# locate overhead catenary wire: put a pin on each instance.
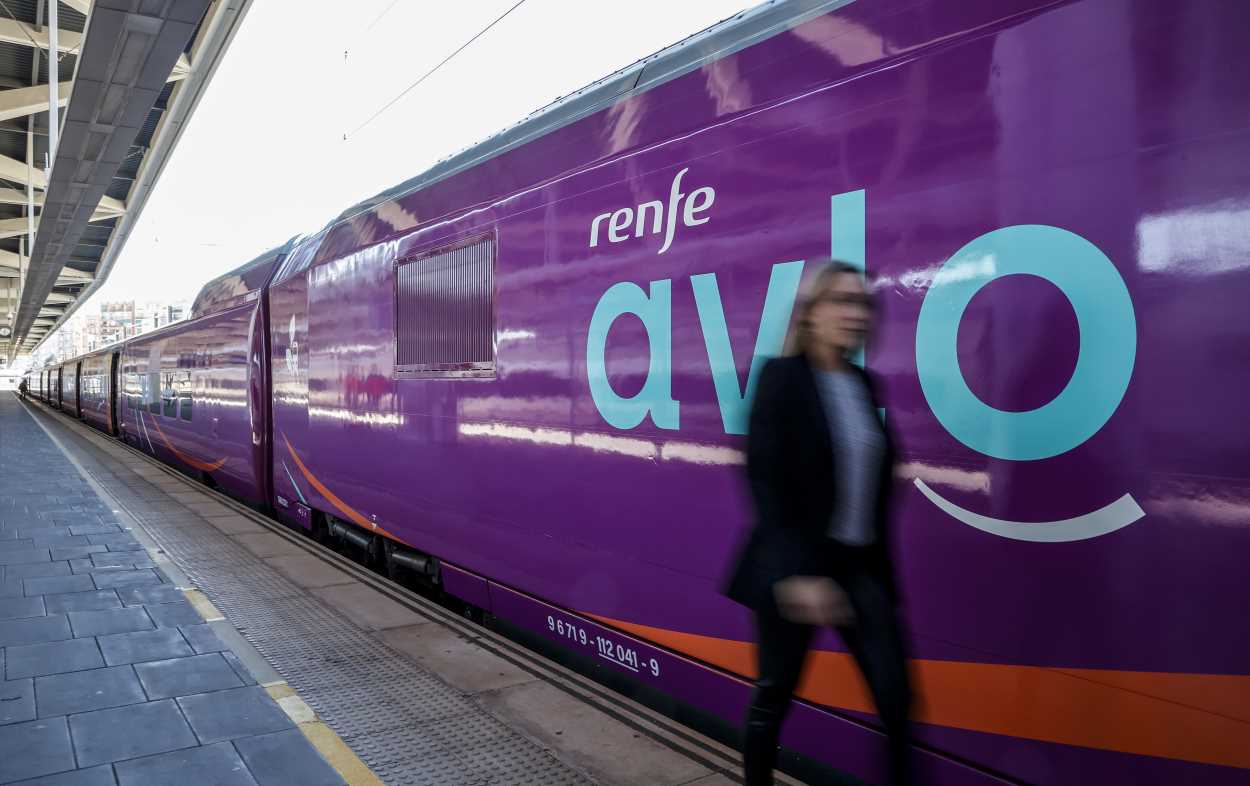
(432, 71)
(378, 18)
(370, 27)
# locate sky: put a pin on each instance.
(276, 146)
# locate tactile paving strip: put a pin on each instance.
(405, 723)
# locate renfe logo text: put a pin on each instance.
(619, 222)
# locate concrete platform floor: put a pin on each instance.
(399, 690)
(110, 675)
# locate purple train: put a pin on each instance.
(524, 374)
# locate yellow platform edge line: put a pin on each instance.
(331, 747)
(203, 605)
(342, 758)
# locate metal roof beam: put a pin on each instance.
(19, 126)
(8, 273)
(11, 196)
(16, 227)
(109, 205)
(17, 172)
(9, 261)
(22, 34)
(23, 101)
(69, 276)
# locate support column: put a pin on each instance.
(53, 85)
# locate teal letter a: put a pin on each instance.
(656, 396)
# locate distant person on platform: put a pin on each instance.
(819, 462)
(21, 388)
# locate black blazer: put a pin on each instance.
(790, 467)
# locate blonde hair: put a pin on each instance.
(822, 272)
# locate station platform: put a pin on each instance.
(153, 631)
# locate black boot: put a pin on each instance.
(900, 760)
(759, 746)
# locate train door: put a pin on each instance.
(114, 391)
(59, 379)
(78, 389)
(260, 381)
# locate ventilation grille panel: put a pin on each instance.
(445, 312)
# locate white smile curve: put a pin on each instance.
(1114, 516)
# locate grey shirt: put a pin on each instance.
(858, 450)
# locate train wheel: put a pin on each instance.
(390, 567)
(376, 557)
(320, 533)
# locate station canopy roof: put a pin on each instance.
(130, 74)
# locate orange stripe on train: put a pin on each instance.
(1194, 717)
(351, 513)
(200, 465)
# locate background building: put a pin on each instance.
(114, 321)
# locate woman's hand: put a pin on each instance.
(813, 600)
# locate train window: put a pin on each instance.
(445, 312)
(184, 384)
(138, 386)
(152, 391)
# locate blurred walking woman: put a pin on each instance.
(819, 462)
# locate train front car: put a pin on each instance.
(195, 394)
(534, 364)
